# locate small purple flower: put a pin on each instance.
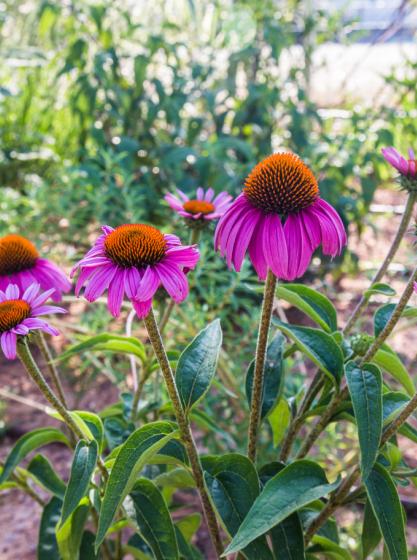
(201, 208)
(21, 264)
(19, 315)
(135, 259)
(280, 220)
(406, 167)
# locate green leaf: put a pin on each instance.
(279, 419)
(189, 525)
(234, 485)
(154, 520)
(82, 468)
(87, 546)
(95, 424)
(365, 388)
(314, 304)
(43, 473)
(379, 288)
(319, 346)
(47, 543)
(186, 549)
(130, 460)
(273, 375)
(292, 488)
(197, 365)
(27, 443)
(70, 533)
(176, 478)
(287, 539)
(329, 548)
(383, 315)
(109, 342)
(391, 363)
(371, 533)
(387, 508)
(392, 404)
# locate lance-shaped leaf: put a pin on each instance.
(390, 362)
(108, 342)
(383, 315)
(154, 520)
(314, 304)
(82, 468)
(371, 533)
(234, 486)
(197, 365)
(69, 535)
(139, 448)
(27, 443)
(387, 508)
(365, 388)
(273, 375)
(292, 488)
(47, 543)
(319, 346)
(41, 470)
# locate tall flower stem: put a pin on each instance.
(341, 395)
(26, 357)
(184, 427)
(405, 220)
(53, 370)
(258, 376)
(298, 420)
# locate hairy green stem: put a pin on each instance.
(298, 421)
(184, 427)
(396, 315)
(341, 395)
(258, 375)
(405, 220)
(50, 363)
(25, 356)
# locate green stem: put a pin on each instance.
(396, 315)
(184, 427)
(298, 421)
(405, 220)
(258, 376)
(35, 373)
(341, 395)
(53, 370)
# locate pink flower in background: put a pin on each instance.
(407, 167)
(280, 220)
(19, 314)
(20, 264)
(204, 207)
(135, 259)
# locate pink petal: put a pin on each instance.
(8, 341)
(275, 246)
(149, 284)
(299, 249)
(173, 279)
(46, 310)
(132, 282)
(142, 308)
(12, 291)
(116, 292)
(184, 256)
(209, 195)
(100, 281)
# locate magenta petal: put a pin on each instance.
(8, 341)
(132, 282)
(173, 279)
(82, 279)
(149, 284)
(200, 193)
(31, 292)
(116, 292)
(256, 251)
(187, 256)
(46, 310)
(299, 250)
(275, 246)
(100, 280)
(208, 197)
(227, 221)
(333, 232)
(244, 236)
(142, 308)
(12, 291)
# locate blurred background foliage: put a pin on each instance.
(105, 106)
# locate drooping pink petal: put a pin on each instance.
(256, 251)
(187, 256)
(100, 281)
(277, 254)
(116, 292)
(333, 233)
(8, 341)
(132, 282)
(149, 284)
(299, 249)
(173, 201)
(240, 245)
(142, 308)
(173, 279)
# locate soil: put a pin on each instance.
(20, 515)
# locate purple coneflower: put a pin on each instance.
(406, 167)
(204, 207)
(135, 259)
(280, 219)
(21, 264)
(19, 314)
